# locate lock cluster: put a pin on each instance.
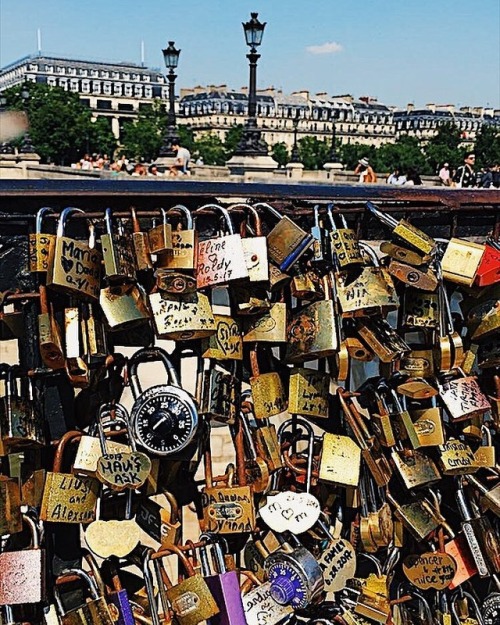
(355, 386)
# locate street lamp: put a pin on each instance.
(26, 145)
(5, 147)
(294, 157)
(171, 57)
(251, 143)
(334, 157)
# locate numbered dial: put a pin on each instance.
(491, 610)
(295, 578)
(164, 419)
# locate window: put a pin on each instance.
(85, 101)
(51, 81)
(60, 70)
(74, 85)
(94, 73)
(86, 86)
(96, 86)
(83, 72)
(128, 90)
(107, 88)
(49, 69)
(138, 91)
(148, 92)
(145, 106)
(104, 104)
(125, 107)
(117, 88)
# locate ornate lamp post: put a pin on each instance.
(26, 145)
(251, 143)
(5, 147)
(171, 57)
(294, 157)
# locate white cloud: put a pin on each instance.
(330, 47)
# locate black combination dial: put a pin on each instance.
(491, 610)
(164, 419)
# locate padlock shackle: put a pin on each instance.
(34, 529)
(223, 211)
(370, 252)
(174, 550)
(150, 354)
(269, 208)
(294, 422)
(39, 218)
(107, 410)
(64, 216)
(250, 581)
(96, 571)
(180, 208)
(71, 436)
(108, 219)
(384, 218)
(135, 221)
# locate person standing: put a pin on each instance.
(181, 163)
(396, 177)
(465, 176)
(365, 171)
(444, 175)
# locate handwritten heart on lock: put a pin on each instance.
(292, 512)
(123, 470)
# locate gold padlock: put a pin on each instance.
(268, 391)
(40, 244)
(160, 236)
(461, 261)
(308, 393)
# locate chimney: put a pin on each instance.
(431, 107)
(410, 107)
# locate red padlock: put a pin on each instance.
(488, 271)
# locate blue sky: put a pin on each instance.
(441, 51)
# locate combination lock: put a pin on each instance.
(164, 417)
(296, 578)
(491, 609)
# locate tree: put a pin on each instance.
(487, 146)
(313, 153)
(280, 154)
(232, 140)
(101, 137)
(211, 149)
(59, 124)
(443, 147)
(142, 138)
(351, 153)
(406, 154)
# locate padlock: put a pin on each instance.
(267, 445)
(309, 392)
(191, 599)
(371, 291)
(22, 573)
(402, 423)
(227, 509)
(405, 231)
(160, 236)
(449, 350)
(417, 515)
(321, 247)
(163, 525)
(461, 260)
(40, 244)
(164, 418)
(182, 256)
(76, 367)
(66, 497)
(49, 335)
(420, 309)
(120, 470)
(382, 339)
(258, 603)
(456, 458)
(462, 397)
(119, 262)
(286, 242)
(94, 337)
(12, 325)
(221, 259)
(296, 577)
(490, 498)
(227, 341)
(403, 254)
(94, 610)
(257, 469)
(340, 462)
(223, 584)
(312, 332)
(118, 597)
(428, 425)
(414, 468)
(10, 506)
(482, 314)
(423, 278)
(254, 246)
(269, 327)
(466, 619)
(268, 391)
(485, 454)
(182, 317)
(21, 423)
(343, 241)
(418, 363)
(74, 266)
(124, 306)
(140, 242)
(306, 284)
(488, 271)
(218, 391)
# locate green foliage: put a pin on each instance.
(313, 153)
(351, 153)
(406, 154)
(59, 123)
(141, 138)
(101, 137)
(211, 149)
(233, 138)
(280, 154)
(186, 137)
(487, 146)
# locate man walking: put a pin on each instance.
(464, 176)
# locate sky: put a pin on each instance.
(399, 51)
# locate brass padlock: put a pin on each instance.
(340, 461)
(124, 306)
(306, 285)
(93, 333)
(221, 260)
(140, 242)
(160, 236)
(226, 343)
(94, 610)
(66, 497)
(12, 325)
(10, 506)
(268, 391)
(456, 458)
(286, 242)
(449, 349)
(40, 244)
(423, 278)
(255, 246)
(382, 338)
(461, 260)
(417, 515)
(269, 327)
(462, 397)
(74, 266)
(182, 255)
(420, 309)
(406, 231)
(119, 261)
(309, 392)
(76, 367)
(429, 426)
(312, 332)
(414, 468)
(49, 335)
(182, 317)
(344, 242)
(218, 391)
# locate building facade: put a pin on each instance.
(118, 91)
